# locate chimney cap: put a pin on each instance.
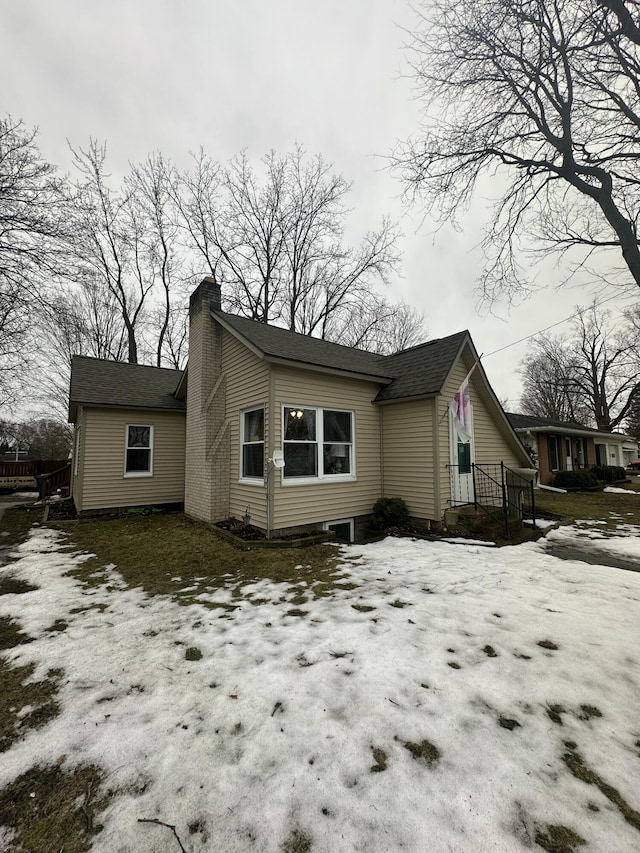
(207, 291)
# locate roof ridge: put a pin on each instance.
(127, 363)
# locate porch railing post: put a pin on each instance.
(505, 507)
(475, 500)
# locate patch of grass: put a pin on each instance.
(14, 586)
(579, 769)
(10, 634)
(490, 652)
(554, 713)
(18, 693)
(380, 758)
(151, 550)
(424, 751)
(508, 723)
(596, 506)
(192, 653)
(589, 711)
(363, 608)
(50, 810)
(297, 842)
(17, 522)
(548, 644)
(58, 625)
(558, 839)
(454, 665)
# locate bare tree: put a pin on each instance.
(595, 370)
(548, 382)
(542, 97)
(378, 326)
(277, 240)
(151, 184)
(85, 320)
(31, 251)
(110, 239)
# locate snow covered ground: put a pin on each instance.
(417, 711)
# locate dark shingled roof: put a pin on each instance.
(415, 372)
(99, 382)
(422, 370)
(533, 423)
(281, 343)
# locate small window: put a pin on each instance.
(343, 529)
(464, 456)
(253, 444)
(138, 460)
(552, 444)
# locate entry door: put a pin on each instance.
(569, 458)
(462, 458)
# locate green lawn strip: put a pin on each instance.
(16, 522)
(151, 550)
(49, 809)
(596, 506)
(580, 770)
(19, 691)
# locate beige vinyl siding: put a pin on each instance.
(247, 387)
(408, 454)
(493, 442)
(103, 441)
(312, 503)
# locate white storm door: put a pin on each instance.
(462, 458)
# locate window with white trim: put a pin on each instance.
(252, 441)
(139, 450)
(317, 443)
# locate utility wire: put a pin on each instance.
(553, 325)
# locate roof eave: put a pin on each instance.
(587, 433)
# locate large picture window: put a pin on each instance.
(318, 443)
(253, 444)
(139, 450)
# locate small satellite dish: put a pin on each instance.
(278, 459)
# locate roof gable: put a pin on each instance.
(422, 370)
(98, 382)
(419, 371)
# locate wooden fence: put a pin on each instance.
(30, 468)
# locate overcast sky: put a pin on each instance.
(172, 76)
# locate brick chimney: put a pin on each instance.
(207, 445)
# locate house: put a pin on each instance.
(294, 431)
(569, 446)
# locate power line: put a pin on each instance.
(553, 325)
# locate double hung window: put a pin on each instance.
(252, 429)
(139, 450)
(318, 443)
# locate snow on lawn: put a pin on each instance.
(436, 654)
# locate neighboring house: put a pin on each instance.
(569, 446)
(349, 427)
